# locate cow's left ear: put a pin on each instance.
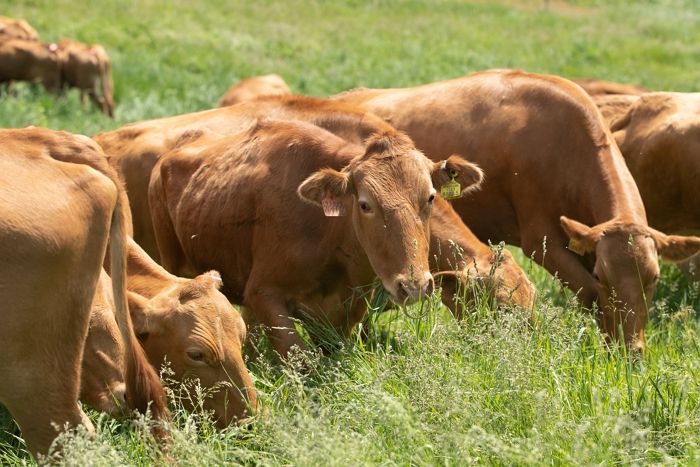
(454, 171)
(675, 248)
(328, 189)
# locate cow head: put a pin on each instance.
(101, 380)
(388, 193)
(194, 327)
(626, 270)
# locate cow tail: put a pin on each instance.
(143, 385)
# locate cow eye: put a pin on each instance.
(364, 207)
(595, 276)
(196, 355)
(431, 198)
(142, 336)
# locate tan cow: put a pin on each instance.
(187, 322)
(22, 60)
(363, 213)
(597, 87)
(60, 205)
(554, 173)
(253, 88)
(88, 68)
(11, 28)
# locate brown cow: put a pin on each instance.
(659, 136)
(234, 206)
(597, 87)
(253, 88)
(88, 68)
(22, 60)
(61, 203)
(187, 322)
(11, 28)
(549, 159)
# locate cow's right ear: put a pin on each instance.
(141, 316)
(326, 188)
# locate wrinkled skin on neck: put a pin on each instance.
(195, 329)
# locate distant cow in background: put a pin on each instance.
(22, 60)
(88, 68)
(252, 88)
(11, 28)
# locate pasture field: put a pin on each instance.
(417, 388)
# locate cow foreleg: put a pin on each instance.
(270, 310)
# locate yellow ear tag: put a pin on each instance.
(451, 189)
(576, 246)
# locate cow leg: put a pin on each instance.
(565, 264)
(83, 101)
(270, 310)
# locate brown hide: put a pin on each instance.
(598, 87)
(234, 206)
(88, 68)
(547, 154)
(61, 205)
(22, 60)
(11, 28)
(253, 88)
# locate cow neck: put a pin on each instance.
(610, 191)
(352, 257)
(144, 276)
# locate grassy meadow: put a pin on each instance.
(417, 388)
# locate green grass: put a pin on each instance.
(418, 389)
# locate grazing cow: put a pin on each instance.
(187, 322)
(59, 206)
(597, 87)
(11, 28)
(363, 212)
(88, 68)
(554, 173)
(254, 88)
(135, 149)
(22, 60)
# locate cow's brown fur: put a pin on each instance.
(11, 28)
(253, 88)
(234, 206)
(547, 155)
(598, 87)
(88, 68)
(22, 60)
(43, 334)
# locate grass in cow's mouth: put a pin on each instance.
(412, 388)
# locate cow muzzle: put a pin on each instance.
(410, 290)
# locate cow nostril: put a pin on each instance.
(401, 291)
(429, 287)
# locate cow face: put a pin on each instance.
(101, 380)
(198, 332)
(626, 271)
(388, 194)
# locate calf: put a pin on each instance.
(88, 68)
(11, 28)
(235, 206)
(22, 60)
(61, 203)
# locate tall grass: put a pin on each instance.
(412, 387)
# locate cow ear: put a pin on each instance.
(675, 248)
(141, 317)
(582, 239)
(199, 286)
(326, 188)
(455, 177)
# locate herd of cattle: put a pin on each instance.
(292, 206)
(68, 63)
